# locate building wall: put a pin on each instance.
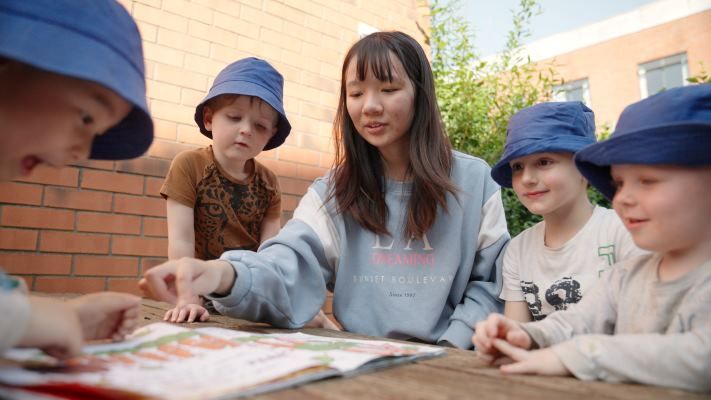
(611, 66)
(99, 224)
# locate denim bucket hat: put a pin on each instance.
(250, 77)
(566, 126)
(93, 40)
(670, 128)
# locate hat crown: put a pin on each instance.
(678, 106)
(105, 22)
(253, 70)
(552, 120)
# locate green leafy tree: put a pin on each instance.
(477, 97)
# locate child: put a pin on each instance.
(649, 319)
(552, 264)
(403, 230)
(220, 198)
(72, 83)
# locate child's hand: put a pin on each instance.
(498, 327)
(187, 313)
(322, 321)
(178, 281)
(539, 362)
(53, 327)
(107, 315)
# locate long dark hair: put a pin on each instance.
(359, 182)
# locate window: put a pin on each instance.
(578, 90)
(666, 73)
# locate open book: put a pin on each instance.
(167, 361)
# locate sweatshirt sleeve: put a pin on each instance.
(680, 360)
(482, 294)
(15, 309)
(284, 282)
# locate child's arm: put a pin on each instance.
(270, 227)
(181, 230)
(518, 311)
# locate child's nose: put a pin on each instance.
(527, 175)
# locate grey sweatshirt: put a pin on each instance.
(633, 327)
(433, 290)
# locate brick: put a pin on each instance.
(153, 186)
(172, 111)
(225, 54)
(212, 33)
(321, 83)
(191, 135)
(125, 286)
(18, 239)
(293, 186)
(168, 150)
(148, 263)
(163, 54)
(254, 14)
(105, 266)
(304, 124)
(183, 42)
(259, 48)
(280, 168)
(162, 91)
(66, 176)
(36, 217)
(70, 242)
(303, 156)
(20, 193)
(68, 285)
(148, 31)
(108, 223)
(181, 77)
(289, 202)
(239, 26)
(77, 199)
(112, 182)
(144, 166)
(95, 164)
(190, 97)
(309, 173)
(294, 14)
(279, 39)
(314, 142)
(33, 263)
(139, 205)
(160, 18)
(155, 227)
(189, 10)
(307, 7)
(139, 246)
(327, 160)
(164, 129)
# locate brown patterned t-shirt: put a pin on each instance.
(228, 213)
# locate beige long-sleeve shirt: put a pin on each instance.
(15, 311)
(633, 327)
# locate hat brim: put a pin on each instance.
(247, 88)
(58, 47)
(683, 144)
(501, 172)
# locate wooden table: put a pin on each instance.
(458, 375)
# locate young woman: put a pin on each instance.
(404, 231)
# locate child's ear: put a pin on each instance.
(207, 118)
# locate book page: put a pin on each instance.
(168, 361)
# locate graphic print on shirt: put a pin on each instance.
(560, 294)
(608, 253)
(530, 294)
(220, 202)
(399, 264)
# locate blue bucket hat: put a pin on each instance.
(250, 77)
(670, 128)
(93, 40)
(566, 126)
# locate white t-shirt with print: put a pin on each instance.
(549, 279)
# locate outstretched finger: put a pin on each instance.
(511, 351)
(154, 282)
